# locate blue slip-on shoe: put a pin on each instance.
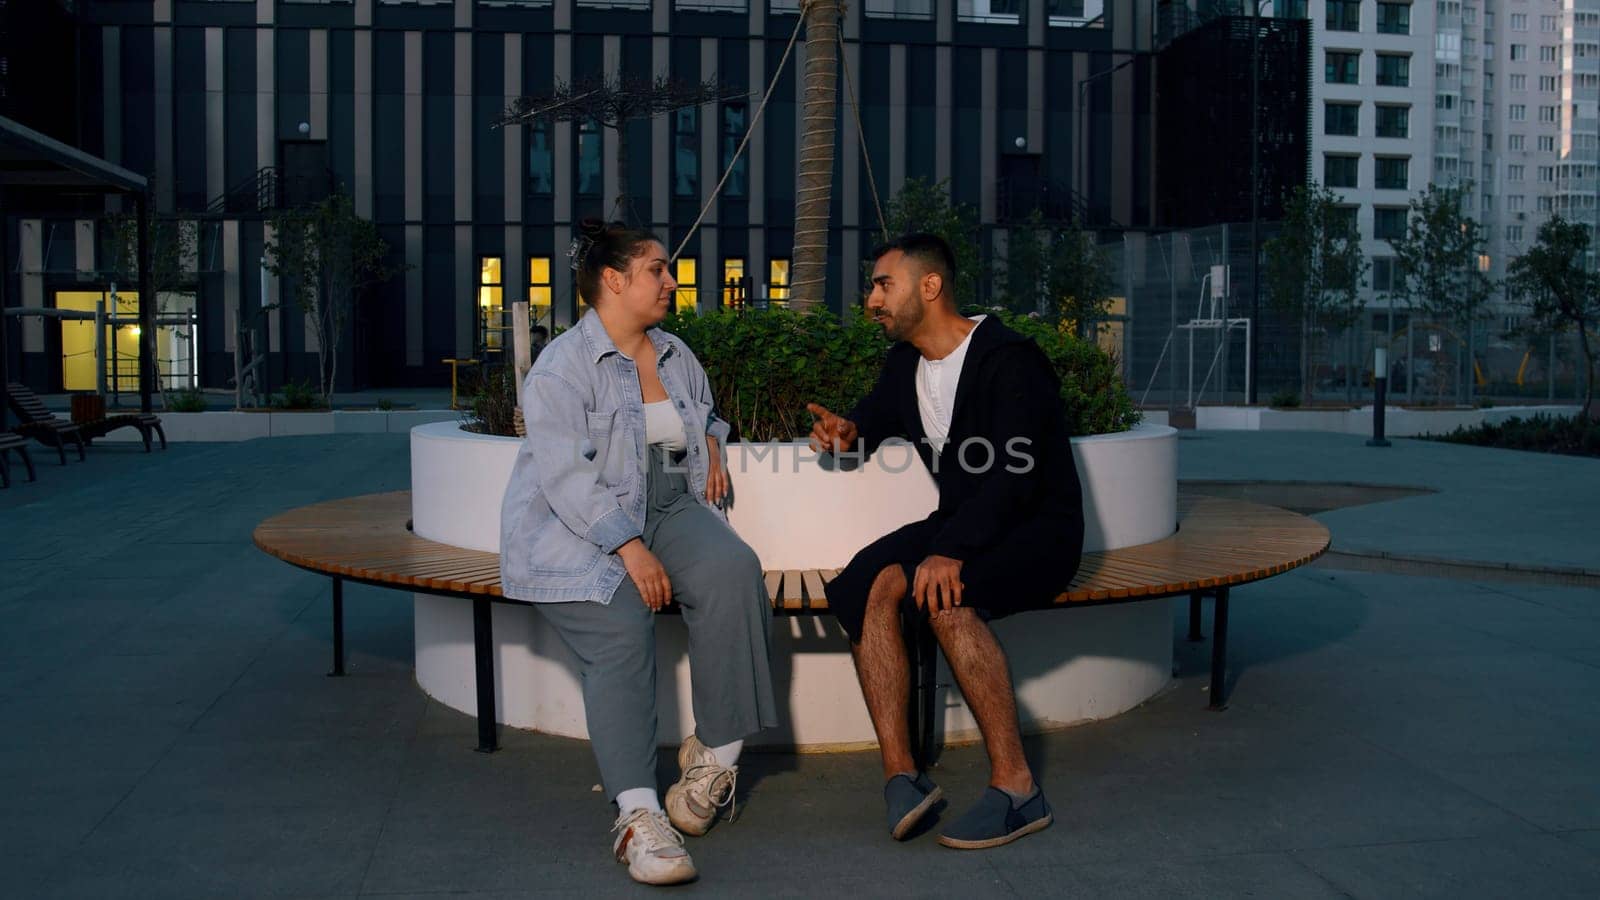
(908, 800)
(995, 820)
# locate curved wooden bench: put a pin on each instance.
(1219, 544)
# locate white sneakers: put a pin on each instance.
(649, 844)
(704, 787)
(651, 849)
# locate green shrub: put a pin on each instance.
(764, 367)
(385, 404)
(186, 400)
(1285, 399)
(298, 395)
(1096, 400)
(1569, 435)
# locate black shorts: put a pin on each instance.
(1026, 569)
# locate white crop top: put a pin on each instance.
(663, 427)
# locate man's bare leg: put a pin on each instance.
(979, 664)
(885, 672)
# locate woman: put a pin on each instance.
(613, 511)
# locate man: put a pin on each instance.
(982, 406)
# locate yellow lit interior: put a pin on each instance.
(539, 297)
(490, 302)
(77, 340)
(688, 277)
(778, 280)
(732, 270)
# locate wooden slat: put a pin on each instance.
(816, 598)
(1219, 542)
(793, 590)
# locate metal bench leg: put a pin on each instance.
(1219, 652)
(338, 628)
(1195, 634)
(922, 654)
(5, 470)
(28, 462)
(483, 656)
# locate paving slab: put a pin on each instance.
(167, 729)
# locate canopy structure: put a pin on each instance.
(38, 164)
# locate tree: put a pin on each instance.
(1437, 263)
(326, 254)
(1079, 279)
(814, 168)
(1058, 274)
(613, 101)
(173, 250)
(1027, 267)
(1556, 282)
(1315, 269)
(922, 206)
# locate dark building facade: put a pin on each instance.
(230, 105)
(1207, 181)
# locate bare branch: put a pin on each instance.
(615, 100)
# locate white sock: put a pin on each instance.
(728, 754)
(638, 798)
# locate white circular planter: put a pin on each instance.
(1069, 667)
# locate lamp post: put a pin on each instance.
(1083, 128)
(1380, 390)
(1255, 196)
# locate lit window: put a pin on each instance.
(491, 308)
(539, 296)
(688, 277)
(733, 293)
(778, 280)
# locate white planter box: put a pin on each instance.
(1069, 667)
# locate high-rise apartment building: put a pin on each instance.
(1578, 142)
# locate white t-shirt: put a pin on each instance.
(663, 427)
(937, 380)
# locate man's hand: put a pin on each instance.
(937, 587)
(648, 575)
(717, 484)
(831, 432)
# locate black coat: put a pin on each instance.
(1009, 396)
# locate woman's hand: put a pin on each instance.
(717, 484)
(648, 575)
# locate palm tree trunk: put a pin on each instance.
(624, 204)
(814, 176)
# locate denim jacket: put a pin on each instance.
(577, 489)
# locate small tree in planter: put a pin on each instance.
(1554, 280)
(327, 255)
(1315, 269)
(1059, 274)
(925, 206)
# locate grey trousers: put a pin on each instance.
(716, 582)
